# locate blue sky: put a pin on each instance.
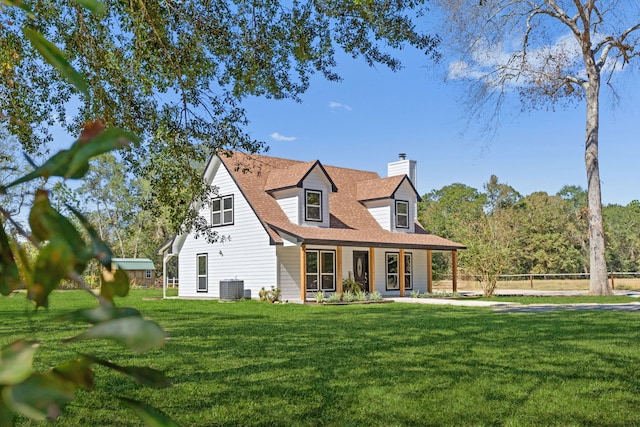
(364, 121)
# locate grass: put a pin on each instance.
(256, 364)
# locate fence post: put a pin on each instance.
(531, 280)
(613, 284)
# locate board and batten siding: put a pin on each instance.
(246, 253)
(316, 180)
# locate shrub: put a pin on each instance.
(335, 297)
(272, 296)
(375, 296)
(318, 296)
(350, 285)
(348, 296)
(415, 294)
(359, 295)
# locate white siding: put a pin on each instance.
(404, 167)
(289, 272)
(246, 255)
(316, 180)
(419, 272)
(289, 201)
(406, 193)
(381, 211)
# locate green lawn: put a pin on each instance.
(255, 364)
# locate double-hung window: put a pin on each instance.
(222, 211)
(393, 271)
(201, 260)
(148, 274)
(313, 205)
(402, 214)
(320, 270)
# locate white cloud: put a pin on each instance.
(279, 137)
(335, 105)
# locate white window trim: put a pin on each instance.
(307, 205)
(205, 275)
(398, 215)
(386, 270)
(222, 211)
(319, 274)
(148, 274)
(397, 275)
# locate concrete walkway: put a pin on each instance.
(510, 307)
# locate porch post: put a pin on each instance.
(454, 270)
(164, 277)
(372, 270)
(429, 271)
(303, 264)
(339, 269)
(401, 271)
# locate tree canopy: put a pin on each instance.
(176, 72)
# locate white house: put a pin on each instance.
(304, 227)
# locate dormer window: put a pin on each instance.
(313, 205)
(222, 211)
(402, 214)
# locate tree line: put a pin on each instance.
(508, 233)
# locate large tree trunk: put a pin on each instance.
(598, 283)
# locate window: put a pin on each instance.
(408, 267)
(202, 273)
(320, 271)
(392, 272)
(393, 268)
(402, 214)
(222, 211)
(313, 205)
(148, 274)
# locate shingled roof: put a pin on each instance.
(350, 221)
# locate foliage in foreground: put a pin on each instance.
(63, 248)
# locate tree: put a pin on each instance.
(176, 72)
(563, 51)
(542, 241)
(622, 224)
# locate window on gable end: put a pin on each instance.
(313, 205)
(222, 211)
(402, 214)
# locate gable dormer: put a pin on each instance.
(302, 191)
(391, 201)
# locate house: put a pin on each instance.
(141, 271)
(304, 227)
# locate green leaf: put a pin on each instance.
(114, 284)
(136, 333)
(16, 361)
(55, 260)
(108, 140)
(40, 397)
(55, 57)
(100, 314)
(143, 375)
(77, 372)
(9, 274)
(151, 416)
(96, 7)
(7, 416)
(101, 250)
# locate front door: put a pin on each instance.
(361, 269)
